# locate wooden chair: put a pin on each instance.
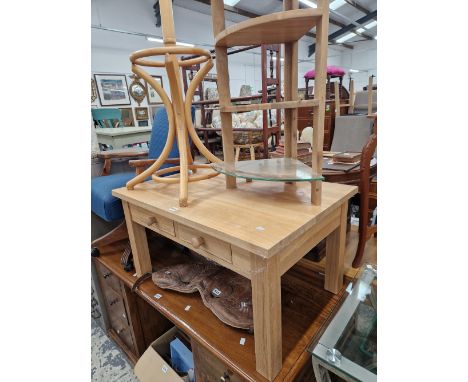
(108, 207)
(365, 231)
(361, 176)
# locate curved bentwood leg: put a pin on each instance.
(177, 103)
(179, 116)
(170, 134)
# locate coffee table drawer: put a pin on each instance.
(153, 221)
(204, 243)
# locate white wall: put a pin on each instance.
(363, 58)
(111, 50)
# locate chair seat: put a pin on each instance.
(103, 203)
(334, 71)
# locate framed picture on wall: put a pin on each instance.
(93, 90)
(141, 113)
(112, 89)
(127, 116)
(153, 97)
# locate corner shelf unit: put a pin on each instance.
(285, 27)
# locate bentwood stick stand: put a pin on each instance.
(178, 109)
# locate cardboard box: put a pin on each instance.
(151, 366)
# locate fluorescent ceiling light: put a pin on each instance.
(353, 71)
(375, 37)
(184, 44)
(281, 59)
(360, 30)
(372, 24)
(345, 38)
(154, 39)
(336, 4)
(161, 41)
(231, 2)
(308, 3)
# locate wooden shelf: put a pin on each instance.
(274, 28)
(270, 105)
(305, 307)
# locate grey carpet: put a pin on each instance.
(108, 362)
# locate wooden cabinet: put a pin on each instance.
(211, 369)
(138, 318)
(133, 323)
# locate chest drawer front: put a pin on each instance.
(204, 242)
(208, 368)
(108, 279)
(153, 221)
(123, 331)
(115, 308)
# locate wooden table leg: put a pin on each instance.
(139, 243)
(266, 301)
(334, 261)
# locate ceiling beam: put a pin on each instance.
(359, 7)
(345, 29)
(251, 15)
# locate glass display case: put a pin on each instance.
(348, 343)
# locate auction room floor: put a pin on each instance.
(108, 362)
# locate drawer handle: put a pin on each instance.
(151, 220)
(106, 275)
(197, 241)
(115, 301)
(225, 377)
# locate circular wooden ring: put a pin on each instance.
(137, 57)
(175, 179)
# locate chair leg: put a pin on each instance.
(117, 234)
(363, 227)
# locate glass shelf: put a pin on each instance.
(276, 170)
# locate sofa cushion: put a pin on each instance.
(331, 71)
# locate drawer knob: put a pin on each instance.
(120, 330)
(197, 241)
(106, 275)
(114, 301)
(151, 220)
(225, 377)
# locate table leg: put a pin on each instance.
(334, 262)
(266, 301)
(139, 243)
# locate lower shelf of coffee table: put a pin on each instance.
(305, 307)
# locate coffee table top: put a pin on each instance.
(260, 217)
(348, 344)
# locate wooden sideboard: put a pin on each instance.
(133, 324)
(218, 354)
